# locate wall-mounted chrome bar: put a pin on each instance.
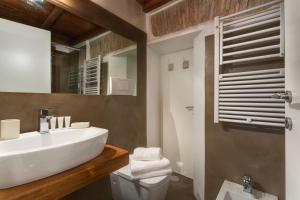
(252, 34)
(266, 71)
(249, 51)
(275, 9)
(258, 109)
(245, 44)
(251, 77)
(266, 114)
(256, 58)
(252, 91)
(253, 118)
(272, 85)
(250, 100)
(277, 19)
(246, 95)
(254, 122)
(274, 80)
(276, 2)
(280, 105)
(256, 21)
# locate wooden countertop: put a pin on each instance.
(62, 184)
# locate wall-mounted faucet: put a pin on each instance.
(44, 120)
(247, 184)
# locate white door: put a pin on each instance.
(177, 95)
(292, 66)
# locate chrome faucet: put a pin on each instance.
(247, 184)
(44, 120)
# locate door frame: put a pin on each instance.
(203, 30)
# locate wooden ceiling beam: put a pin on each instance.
(93, 33)
(142, 1)
(60, 39)
(149, 5)
(52, 18)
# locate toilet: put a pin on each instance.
(125, 188)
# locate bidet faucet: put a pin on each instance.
(44, 120)
(247, 184)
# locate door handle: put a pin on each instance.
(189, 108)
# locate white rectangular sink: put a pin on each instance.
(34, 156)
(233, 191)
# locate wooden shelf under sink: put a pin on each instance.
(62, 184)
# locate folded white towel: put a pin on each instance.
(162, 172)
(152, 153)
(142, 167)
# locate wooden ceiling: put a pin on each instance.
(65, 27)
(149, 5)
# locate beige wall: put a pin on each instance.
(233, 150)
(129, 10)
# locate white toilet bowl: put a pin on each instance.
(124, 188)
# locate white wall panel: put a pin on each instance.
(25, 58)
(153, 99)
(292, 69)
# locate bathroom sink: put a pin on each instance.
(34, 156)
(233, 191)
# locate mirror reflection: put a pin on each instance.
(45, 49)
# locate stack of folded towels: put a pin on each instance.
(148, 162)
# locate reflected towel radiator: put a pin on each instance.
(73, 79)
(91, 76)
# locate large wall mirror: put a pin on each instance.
(45, 49)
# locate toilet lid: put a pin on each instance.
(148, 182)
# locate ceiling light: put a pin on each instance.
(36, 1)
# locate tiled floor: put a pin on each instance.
(180, 188)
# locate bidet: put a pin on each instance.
(233, 191)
